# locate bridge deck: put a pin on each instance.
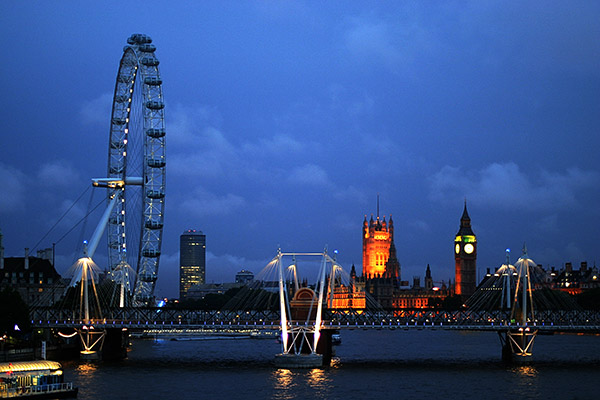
(419, 319)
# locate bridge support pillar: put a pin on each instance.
(325, 346)
(92, 341)
(300, 355)
(517, 345)
(115, 344)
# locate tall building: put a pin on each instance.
(379, 251)
(465, 255)
(192, 260)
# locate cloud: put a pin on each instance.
(355, 105)
(350, 193)
(309, 174)
(279, 144)
(58, 173)
(202, 202)
(210, 154)
(505, 186)
(574, 253)
(224, 267)
(549, 224)
(96, 110)
(420, 225)
(12, 182)
(167, 284)
(75, 212)
(186, 124)
(369, 40)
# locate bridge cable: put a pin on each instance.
(60, 219)
(81, 220)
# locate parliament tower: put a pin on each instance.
(379, 251)
(465, 255)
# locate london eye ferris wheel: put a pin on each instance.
(136, 174)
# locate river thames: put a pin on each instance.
(369, 364)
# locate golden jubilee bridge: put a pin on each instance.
(305, 316)
(297, 295)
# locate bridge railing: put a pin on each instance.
(46, 316)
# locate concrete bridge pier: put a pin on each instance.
(517, 345)
(325, 346)
(300, 355)
(115, 344)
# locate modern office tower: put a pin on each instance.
(192, 260)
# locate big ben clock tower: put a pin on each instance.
(465, 255)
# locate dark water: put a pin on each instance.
(370, 364)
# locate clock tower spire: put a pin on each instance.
(465, 256)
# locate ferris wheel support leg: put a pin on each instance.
(93, 244)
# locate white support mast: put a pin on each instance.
(323, 269)
(282, 305)
(506, 282)
(93, 243)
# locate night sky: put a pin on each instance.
(286, 119)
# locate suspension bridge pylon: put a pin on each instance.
(517, 341)
(304, 341)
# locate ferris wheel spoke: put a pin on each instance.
(136, 171)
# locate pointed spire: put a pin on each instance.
(525, 250)
(465, 214)
(465, 223)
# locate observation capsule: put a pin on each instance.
(155, 133)
(152, 81)
(156, 162)
(150, 61)
(155, 105)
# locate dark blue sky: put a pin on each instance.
(285, 119)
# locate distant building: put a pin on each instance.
(244, 276)
(571, 280)
(34, 278)
(465, 256)
(379, 251)
(192, 260)
(381, 279)
(198, 292)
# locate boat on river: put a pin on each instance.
(34, 380)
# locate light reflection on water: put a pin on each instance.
(526, 371)
(367, 365)
(526, 378)
(283, 378)
(87, 369)
(318, 378)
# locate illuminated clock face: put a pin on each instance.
(457, 248)
(469, 248)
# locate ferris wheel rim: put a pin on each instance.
(138, 66)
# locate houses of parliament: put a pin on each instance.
(381, 278)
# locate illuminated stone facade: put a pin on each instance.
(379, 251)
(465, 256)
(380, 284)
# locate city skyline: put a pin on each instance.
(285, 120)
